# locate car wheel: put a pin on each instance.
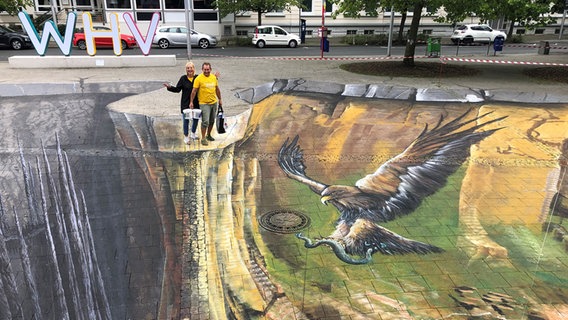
(468, 40)
(81, 44)
(292, 44)
(260, 44)
(16, 44)
(163, 43)
(124, 44)
(203, 43)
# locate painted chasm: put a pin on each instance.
(175, 231)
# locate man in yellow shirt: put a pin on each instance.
(206, 87)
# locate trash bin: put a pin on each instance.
(498, 44)
(325, 44)
(544, 47)
(434, 47)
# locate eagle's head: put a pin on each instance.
(337, 194)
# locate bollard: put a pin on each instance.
(544, 47)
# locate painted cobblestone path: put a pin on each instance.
(177, 231)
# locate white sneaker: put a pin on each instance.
(194, 136)
(186, 139)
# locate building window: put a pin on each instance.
(351, 32)
(328, 6)
(175, 4)
(431, 9)
(144, 16)
(118, 4)
(521, 31)
(205, 16)
(368, 31)
(427, 31)
(539, 31)
(203, 4)
(147, 4)
(307, 5)
(227, 30)
(197, 4)
(242, 33)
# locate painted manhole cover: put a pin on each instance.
(284, 221)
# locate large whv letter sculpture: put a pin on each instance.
(395, 189)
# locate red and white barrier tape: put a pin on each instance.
(548, 64)
(534, 46)
(443, 59)
(314, 58)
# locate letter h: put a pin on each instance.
(91, 34)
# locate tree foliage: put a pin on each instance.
(355, 8)
(13, 6)
(527, 13)
(259, 6)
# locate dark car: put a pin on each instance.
(14, 39)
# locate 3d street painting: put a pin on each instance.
(322, 206)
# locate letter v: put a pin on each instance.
(49, 29)
(144, 44)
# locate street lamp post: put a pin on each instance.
(188, 18)
(391, 24)
(563, 20)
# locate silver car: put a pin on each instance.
(176, 36)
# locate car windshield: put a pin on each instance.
(6, 29)
(462, 27)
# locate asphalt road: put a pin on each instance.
(301, 51)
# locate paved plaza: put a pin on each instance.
(332, 195)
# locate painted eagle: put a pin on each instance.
(395, 189)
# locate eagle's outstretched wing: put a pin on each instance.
(423, 167)
(291, 160)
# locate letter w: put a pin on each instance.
(49, 29)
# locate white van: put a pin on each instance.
(274, 36)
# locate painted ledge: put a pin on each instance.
(46, 62)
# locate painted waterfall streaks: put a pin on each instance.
(69, 270)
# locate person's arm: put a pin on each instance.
(193, 93)
(218, 92)
(171, 88)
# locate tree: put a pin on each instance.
(13, 6)
(527, 13)
(353, 8)
(259, 6)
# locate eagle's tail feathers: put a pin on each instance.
(382, 240)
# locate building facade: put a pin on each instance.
(206, 19)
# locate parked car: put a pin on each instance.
(274, 36)
(14, 39)
(470, 33)
(176, 36)
(126, 41)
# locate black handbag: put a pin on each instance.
(220, 121)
